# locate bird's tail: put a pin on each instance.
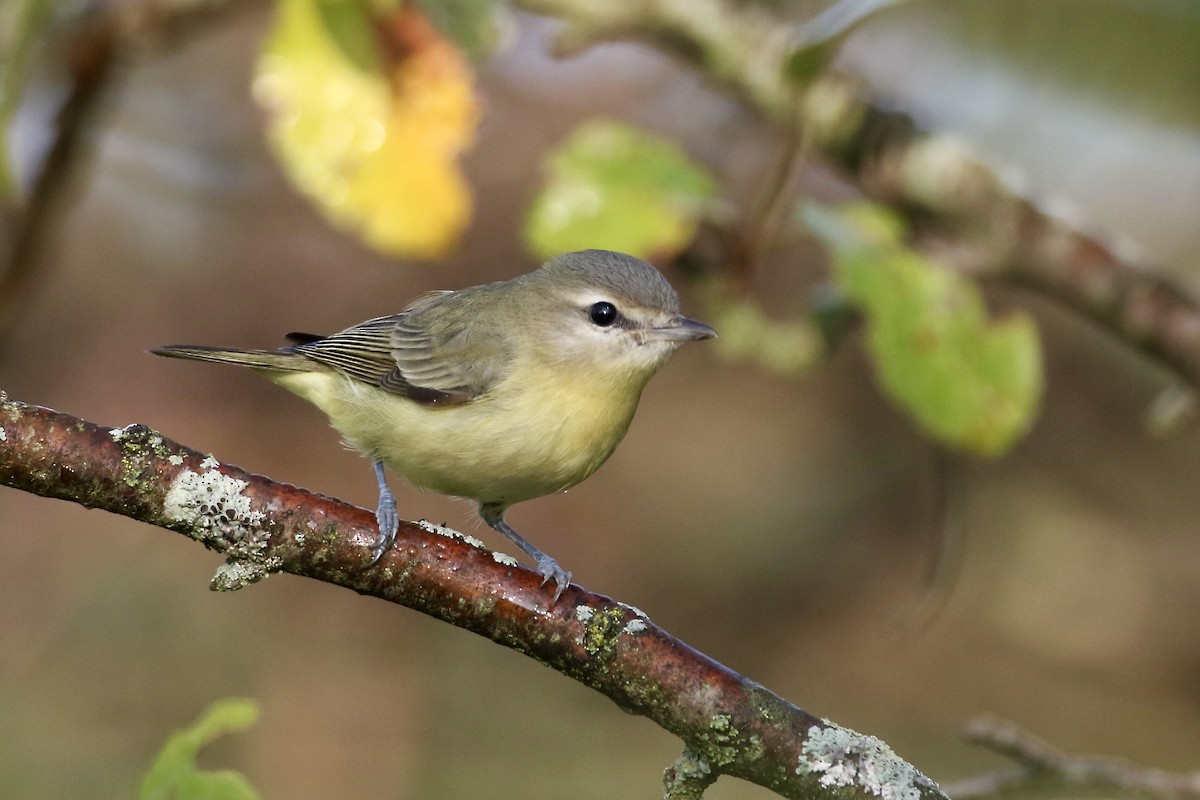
(274, 360)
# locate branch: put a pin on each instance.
(729, 724)
(962, 212)
(94, 42)
(1043, 767)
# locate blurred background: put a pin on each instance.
(783, 526)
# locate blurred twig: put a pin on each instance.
(729, 725)
(960, 209)
(90, 54)
(1044, 768)
(92, 43)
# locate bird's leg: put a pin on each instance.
(385, 516)
(547, 567)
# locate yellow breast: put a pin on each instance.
(522, 440)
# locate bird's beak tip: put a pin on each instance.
(685, 329)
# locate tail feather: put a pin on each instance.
(280, 360)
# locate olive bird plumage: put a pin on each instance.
(497, 393)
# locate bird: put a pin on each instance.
(497, 393)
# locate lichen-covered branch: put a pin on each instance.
(1042, 768)
(961, 211)
(729, 724)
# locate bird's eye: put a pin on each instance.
(603, 313)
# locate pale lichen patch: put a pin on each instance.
(175, 459)
(635, 610)
(234, 575)
(843, 757)
(3, 435)
(634, 626)
(449, 533)
(583, 613)
(11, 410)
(212, 506)
(504, 558)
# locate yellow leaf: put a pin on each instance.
(369, 113)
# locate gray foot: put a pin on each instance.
(547, 567)
(385, 517)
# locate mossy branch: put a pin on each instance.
(729, 724)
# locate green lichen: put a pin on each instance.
(688, 777)
(140, 447)
(720, 744)
(723, 742)
(602, 631)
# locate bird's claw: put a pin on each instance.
(549, 569)
(389, 522)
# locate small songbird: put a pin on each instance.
(497, 393)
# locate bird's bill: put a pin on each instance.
(682, 329)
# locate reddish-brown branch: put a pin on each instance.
(729, 724)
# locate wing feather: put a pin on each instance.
(423, 353)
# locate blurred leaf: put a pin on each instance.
(471, 24)
(22, 23)
(174, 773)
(348, 26)
(784, 347)
(374, 140)
(972, 382)
(614, 187)
(1173, 407)
(821, 35)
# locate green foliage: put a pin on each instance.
(347, 26)
(971, 382)
(22, 23)
(471, 24)
(784, 347)
(612, 186)
(174, 774)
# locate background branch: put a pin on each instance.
(960, 210)
(92, 43)
(729, 724)
(1041, 766)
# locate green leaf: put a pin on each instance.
(972, 382)
(347, 26)
(471, 24)
(174, 774)
(614, 187)
(21, 25)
